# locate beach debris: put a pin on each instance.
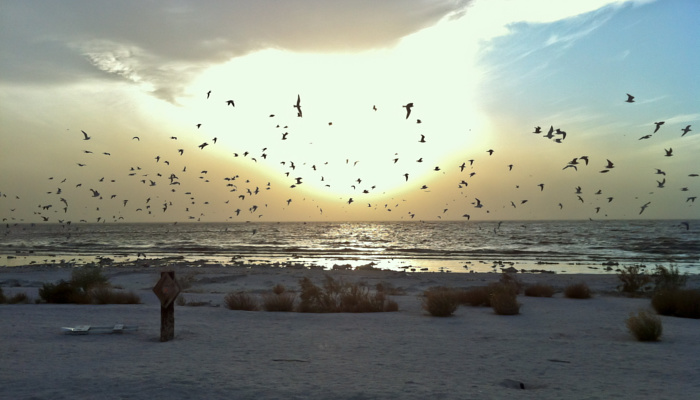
(87, 329)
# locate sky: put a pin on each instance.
(150, 83)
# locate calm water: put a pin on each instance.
(559, 246)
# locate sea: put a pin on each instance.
(458, 247)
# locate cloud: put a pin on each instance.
(163, 44)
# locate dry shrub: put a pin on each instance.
(539, 290)
(634, 279)
(511, 282)
(389, 289)
(668, 278)
(278, 289)
(440, 301)
(504, 301)
(684, 303)
(3, 299)
(280, 302)
(18, 298)
(106, 295)
(645, 326)
(63, 292)
(474, 296)
(578, 291)
(338, 296)
(240, 301)
(87, 277)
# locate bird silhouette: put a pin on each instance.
(85, 136)
(408, 109)
(658, 125)
(685, 130)
(669, 152)
(230, 103)
(298, 106)
(630, 98)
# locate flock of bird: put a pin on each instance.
(244, 195)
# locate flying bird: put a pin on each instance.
(298, 106)
(630, 98)
(230, 103)
(685, 130)
(658, 125)
(86, 137)
(669, 152)
(408, 109)
(208, 93)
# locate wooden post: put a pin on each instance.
(167, 322)
(167, 291)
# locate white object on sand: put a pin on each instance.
(87, 329)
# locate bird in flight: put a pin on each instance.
(298, 106)
(630, 98)
(669, 152)
(230, 103)
(408, 109)
(644, 207)
(685, 130)
(203, 145)
(208, 93)
(86, 137)
(658, 125)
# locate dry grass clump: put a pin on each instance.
(106, 295)
(539, 290)
(684, 303)
(440, 301)
(3, 299)
(279, 302)
(578, 291)
(504, 301)
(668, 278)
(339, 296)
(645, 326)
(475, 296)
(634, 279)
(17, 298)
(240, 301)
(389, 289)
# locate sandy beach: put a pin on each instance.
(555, 348)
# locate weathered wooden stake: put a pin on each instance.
(167, 322)
(167, 291)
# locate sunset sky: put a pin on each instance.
(481, 75)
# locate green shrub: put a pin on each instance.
(668, 278)
(240, 301)
(645, 326)
(539, 290)
(634, 279)
(578, 291)
(440, 301)
(684, 303)
(87, 277)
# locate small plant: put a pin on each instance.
(475, 296)
(511, 282)
(684, 303)
(504, 301)
(278, 289)
(539, 290)
(668, 278)
(3, 299)
(578, 291)
(18, 298)
(62, 292)
(389, 289)
(106, 295)
(240, 301)
(634, 279)
(280, 302)
(645, 326)
(338, 296)
(87, 277)
(440, 301)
